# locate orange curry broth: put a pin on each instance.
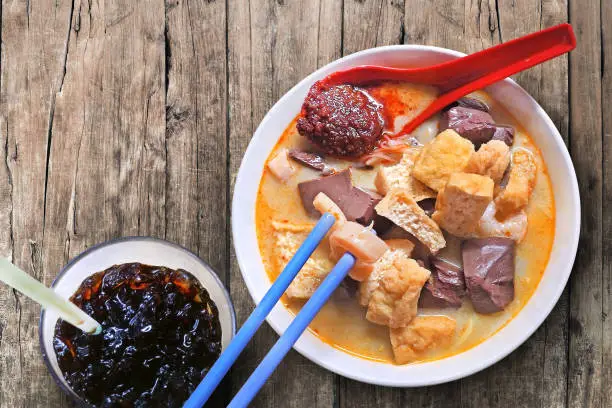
(341, 323)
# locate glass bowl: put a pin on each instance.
(146, 250)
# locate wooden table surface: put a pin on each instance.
(126, 117)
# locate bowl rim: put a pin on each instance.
(239, 241)
(46, 358)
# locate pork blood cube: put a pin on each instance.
(504, 133)
(488, 265)
(356, 204)
(446, 286)
(312, 160)
(468, 102)
(475, 125)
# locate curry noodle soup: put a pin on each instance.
(475, 176)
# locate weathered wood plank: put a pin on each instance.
(465, 25)
(606, 114)
(273, 45)
(196, 128)
(329, 40)
(32, 61)
(371, 23)
(585, 382)
(106, 170)
(109, 132)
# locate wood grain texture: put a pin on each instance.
(371, 23)
(585, 382)
(196, 128)
(464, 25)
(108, 131)
(606, 115)
(32, 64)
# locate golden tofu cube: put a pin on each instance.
(422, 335)
(391, 292)
(446, 154)
(492, 160)
(521, 182)
(462, 202)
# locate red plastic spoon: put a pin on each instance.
(459, 77)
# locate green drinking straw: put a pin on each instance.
(47, 298)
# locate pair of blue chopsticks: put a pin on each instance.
(293, 332)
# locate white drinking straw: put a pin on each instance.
(48, 299)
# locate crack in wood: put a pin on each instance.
(602, 54)
(378, 17)
(27, 6)
(168, 5)
(199, 214)
(35, 259)
(52, 113)
(541, 13)
(499, 28)
(10, 183)
(71, 216)
(342, 17)
(19, 311)
(228, 162)
(77, 22)
(67, 44)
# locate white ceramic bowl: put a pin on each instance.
(567, 201)
(146, 250)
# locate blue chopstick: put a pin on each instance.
(204, 390)
(293, 332)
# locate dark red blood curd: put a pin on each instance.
(342, 120)
(160, 335)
